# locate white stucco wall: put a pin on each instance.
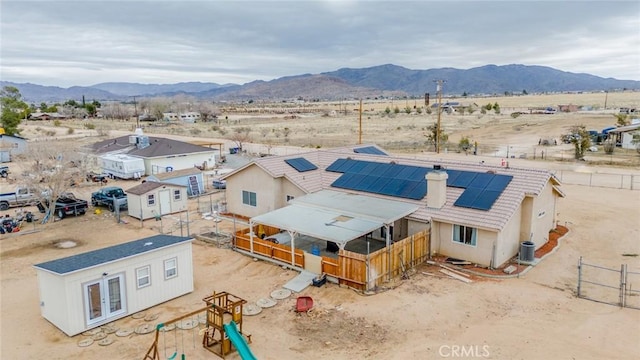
(442, 243)
(159, 164)
(253, 179)
(70, 315)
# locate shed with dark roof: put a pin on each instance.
(90, 289)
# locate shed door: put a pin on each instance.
(104, 298)
(165, 202)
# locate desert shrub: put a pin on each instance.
(464, 144)
(70, 131)
(515, 115)
(407, 110)
(419, 110)
(195, 131)
(387, 110)
(56, 123)
(90, 126)
(50, 133)
(396, 110)
(609, 146)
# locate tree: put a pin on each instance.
(240, 136)
(579, 137)
(621, 119)
(464, 144)
(54, 168)
(13, 109)
(432, 133)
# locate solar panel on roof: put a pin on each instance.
(394, 187)
(481, 180)
(301, 164)
(337, 165)
(485, 199)
(499, 182)
(467, 198)
(464, 179)
(372, 150)
(452, 175)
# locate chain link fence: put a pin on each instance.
(615, 286)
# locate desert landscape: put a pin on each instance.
(535, 315)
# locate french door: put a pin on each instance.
(104, 298)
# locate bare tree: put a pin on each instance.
(241, 135)
(117, 111)
(55, 168)
(208, 111)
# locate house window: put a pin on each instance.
(289, 197)
(176, 195)
(465, 235)
(170, 268)
(248, 198)
(151, 199)
(143, 276)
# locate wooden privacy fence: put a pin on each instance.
(358, 271)
(268, 249)
(366, 272)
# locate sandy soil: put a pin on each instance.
(535, 316)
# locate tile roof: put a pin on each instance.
(109, 254)
(147, 186)
(525, 182)
(157, 147)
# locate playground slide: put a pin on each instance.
(238, 341)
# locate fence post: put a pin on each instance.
(621, 181)
(631, 186)
(579, 274)
(590, 178)
(623, 284)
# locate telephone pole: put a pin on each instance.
(135, 106)
(439, 94)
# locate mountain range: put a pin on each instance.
(372, 82)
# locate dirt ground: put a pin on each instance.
(534, 316)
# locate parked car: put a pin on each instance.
(22, 196)
(95, 177)
(111, 197)
(66, 204)
(219, 184)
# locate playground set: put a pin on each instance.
(223, 332)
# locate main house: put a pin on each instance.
(471, 211)
(159, 154)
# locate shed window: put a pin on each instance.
(248, 198)
(170, 268)
(177, 195)
(151, 199)
(143, 276)
(465, 235)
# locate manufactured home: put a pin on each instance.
(122, 166)
(87, 290)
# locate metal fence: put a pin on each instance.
(608, 285)
(615, 181)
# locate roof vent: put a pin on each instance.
(437, 167)
(149, 243)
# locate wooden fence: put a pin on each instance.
(358, 271)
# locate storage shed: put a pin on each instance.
(84, 291)
(191, 178)
(152, 199)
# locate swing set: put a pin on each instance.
(223, 313)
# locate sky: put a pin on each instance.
(82, 43)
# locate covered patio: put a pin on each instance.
(327, 232)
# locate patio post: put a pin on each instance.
(251, 236)
(388, 238)
(293, 248)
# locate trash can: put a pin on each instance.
(527, 251)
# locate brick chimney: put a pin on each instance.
(436, 187)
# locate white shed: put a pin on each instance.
(87, 290)
(152, 199)
(191, 178)
(11, 145)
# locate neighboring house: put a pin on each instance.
(192, 179)
(87, 290)
(159, 154)
(475, 212)
(169, 116)
(46, 116)
(152, 199)
(190, 117)
(11, 145)
(627, 137)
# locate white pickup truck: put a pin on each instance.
(22, 196)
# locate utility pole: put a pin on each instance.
(360, 127)
(135, 106)
(439, 93)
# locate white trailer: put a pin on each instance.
(122, 166)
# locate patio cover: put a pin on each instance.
(336, 216)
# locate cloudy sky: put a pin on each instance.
(66, 43)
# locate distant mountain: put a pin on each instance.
(378, 81)
(33, 93)
(489, 79)
(134, 89)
